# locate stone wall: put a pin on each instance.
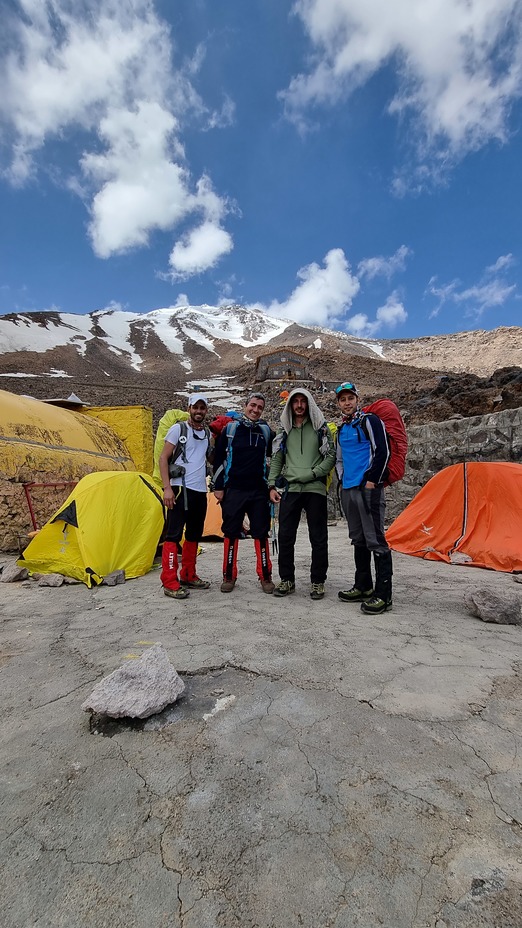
(15, 515)
(495, 437)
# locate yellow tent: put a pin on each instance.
(111, 521)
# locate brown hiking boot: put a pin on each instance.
(227, 586)
(196, 584)
(176, 594)
(267, 586)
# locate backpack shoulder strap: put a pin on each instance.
(363, 422)
(231, 429)
(265, 428)
(279, 443)
(179, 449)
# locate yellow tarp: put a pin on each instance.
(111, 521)
(36, 437)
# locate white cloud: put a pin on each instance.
(104, 67)
(501, 264)
(198, 250)
(458, 67)
(326, 294)
(389, 316)
(484, 296)
(384, 267)
(139, 189)
(359, 325)
(224, 117)
(323, 294)
(490, 291)
(444, 293)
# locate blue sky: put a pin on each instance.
(346, 163)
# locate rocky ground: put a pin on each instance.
(323, 770)
(423, 396)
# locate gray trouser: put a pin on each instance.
(364, 511)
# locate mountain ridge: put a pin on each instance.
(112, 356)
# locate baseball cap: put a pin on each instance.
(346, 386)
(196, 397)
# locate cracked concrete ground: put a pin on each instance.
(325, 769)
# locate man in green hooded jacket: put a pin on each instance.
(303, 455)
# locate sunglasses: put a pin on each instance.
(346, 386)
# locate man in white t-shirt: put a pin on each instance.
(185, 497)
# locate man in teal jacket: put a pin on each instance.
(303, 455)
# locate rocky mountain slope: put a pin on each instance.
(479, 352)
(112, 357)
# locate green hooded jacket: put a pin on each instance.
(304, 455)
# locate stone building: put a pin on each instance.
(282, 365)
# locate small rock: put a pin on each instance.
(490, 607)
(458, 557)
(138, 688)
(117, 576)
(51, 580)
(12, 572)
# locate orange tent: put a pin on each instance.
(213, 518)
(466, 514)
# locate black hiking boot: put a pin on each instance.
(354, 595)
(375, 605)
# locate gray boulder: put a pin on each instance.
(117, 576)
(12, 572)
(490, 607)
(51, 580)
(138, 688)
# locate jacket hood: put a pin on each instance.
(314, 413)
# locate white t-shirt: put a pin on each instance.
(196, 454)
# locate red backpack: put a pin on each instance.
(388, 412)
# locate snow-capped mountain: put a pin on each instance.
(110, 356)
(180, 339)
(185, 338)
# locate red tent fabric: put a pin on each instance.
(466, 514)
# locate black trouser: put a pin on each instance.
(364, 511)
(191, 518)
(316, 508)
(253, 503)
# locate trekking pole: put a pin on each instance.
(273, 529)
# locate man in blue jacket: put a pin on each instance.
(362, 458)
